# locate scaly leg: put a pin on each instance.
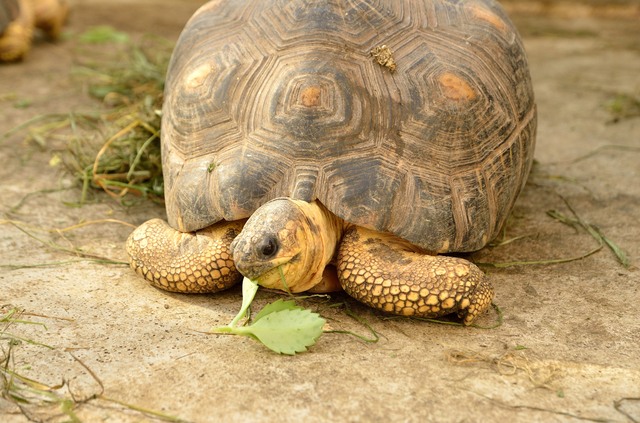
(385, 273)
(197, 262)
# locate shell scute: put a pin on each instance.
(284, 98)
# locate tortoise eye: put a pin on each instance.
(267, 247)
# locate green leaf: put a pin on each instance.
(276, 306)
(287, 331)
(249, 289)
(281, 326)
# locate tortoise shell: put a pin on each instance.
(430, 138)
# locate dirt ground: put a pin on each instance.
(568, 347)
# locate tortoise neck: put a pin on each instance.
(326, 228)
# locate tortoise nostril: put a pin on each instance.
(267, 247)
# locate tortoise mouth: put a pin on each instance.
(287, 235)
(273, 275)
(257, 271)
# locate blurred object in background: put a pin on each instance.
(19, 19)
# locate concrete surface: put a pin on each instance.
(566, 351)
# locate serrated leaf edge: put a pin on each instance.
(274, 307)
(251, 329)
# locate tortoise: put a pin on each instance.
(361, 139)
(19, 18)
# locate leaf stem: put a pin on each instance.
(249, 289)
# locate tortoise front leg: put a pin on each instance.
(198, 262)
(385, 273)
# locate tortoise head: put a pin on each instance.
(284, 245)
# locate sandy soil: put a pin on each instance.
(567, 349)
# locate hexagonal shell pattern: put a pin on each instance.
(266, 99)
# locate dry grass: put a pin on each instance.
(34, 232)
(510, 363)
(39, 401)
(115, 147)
